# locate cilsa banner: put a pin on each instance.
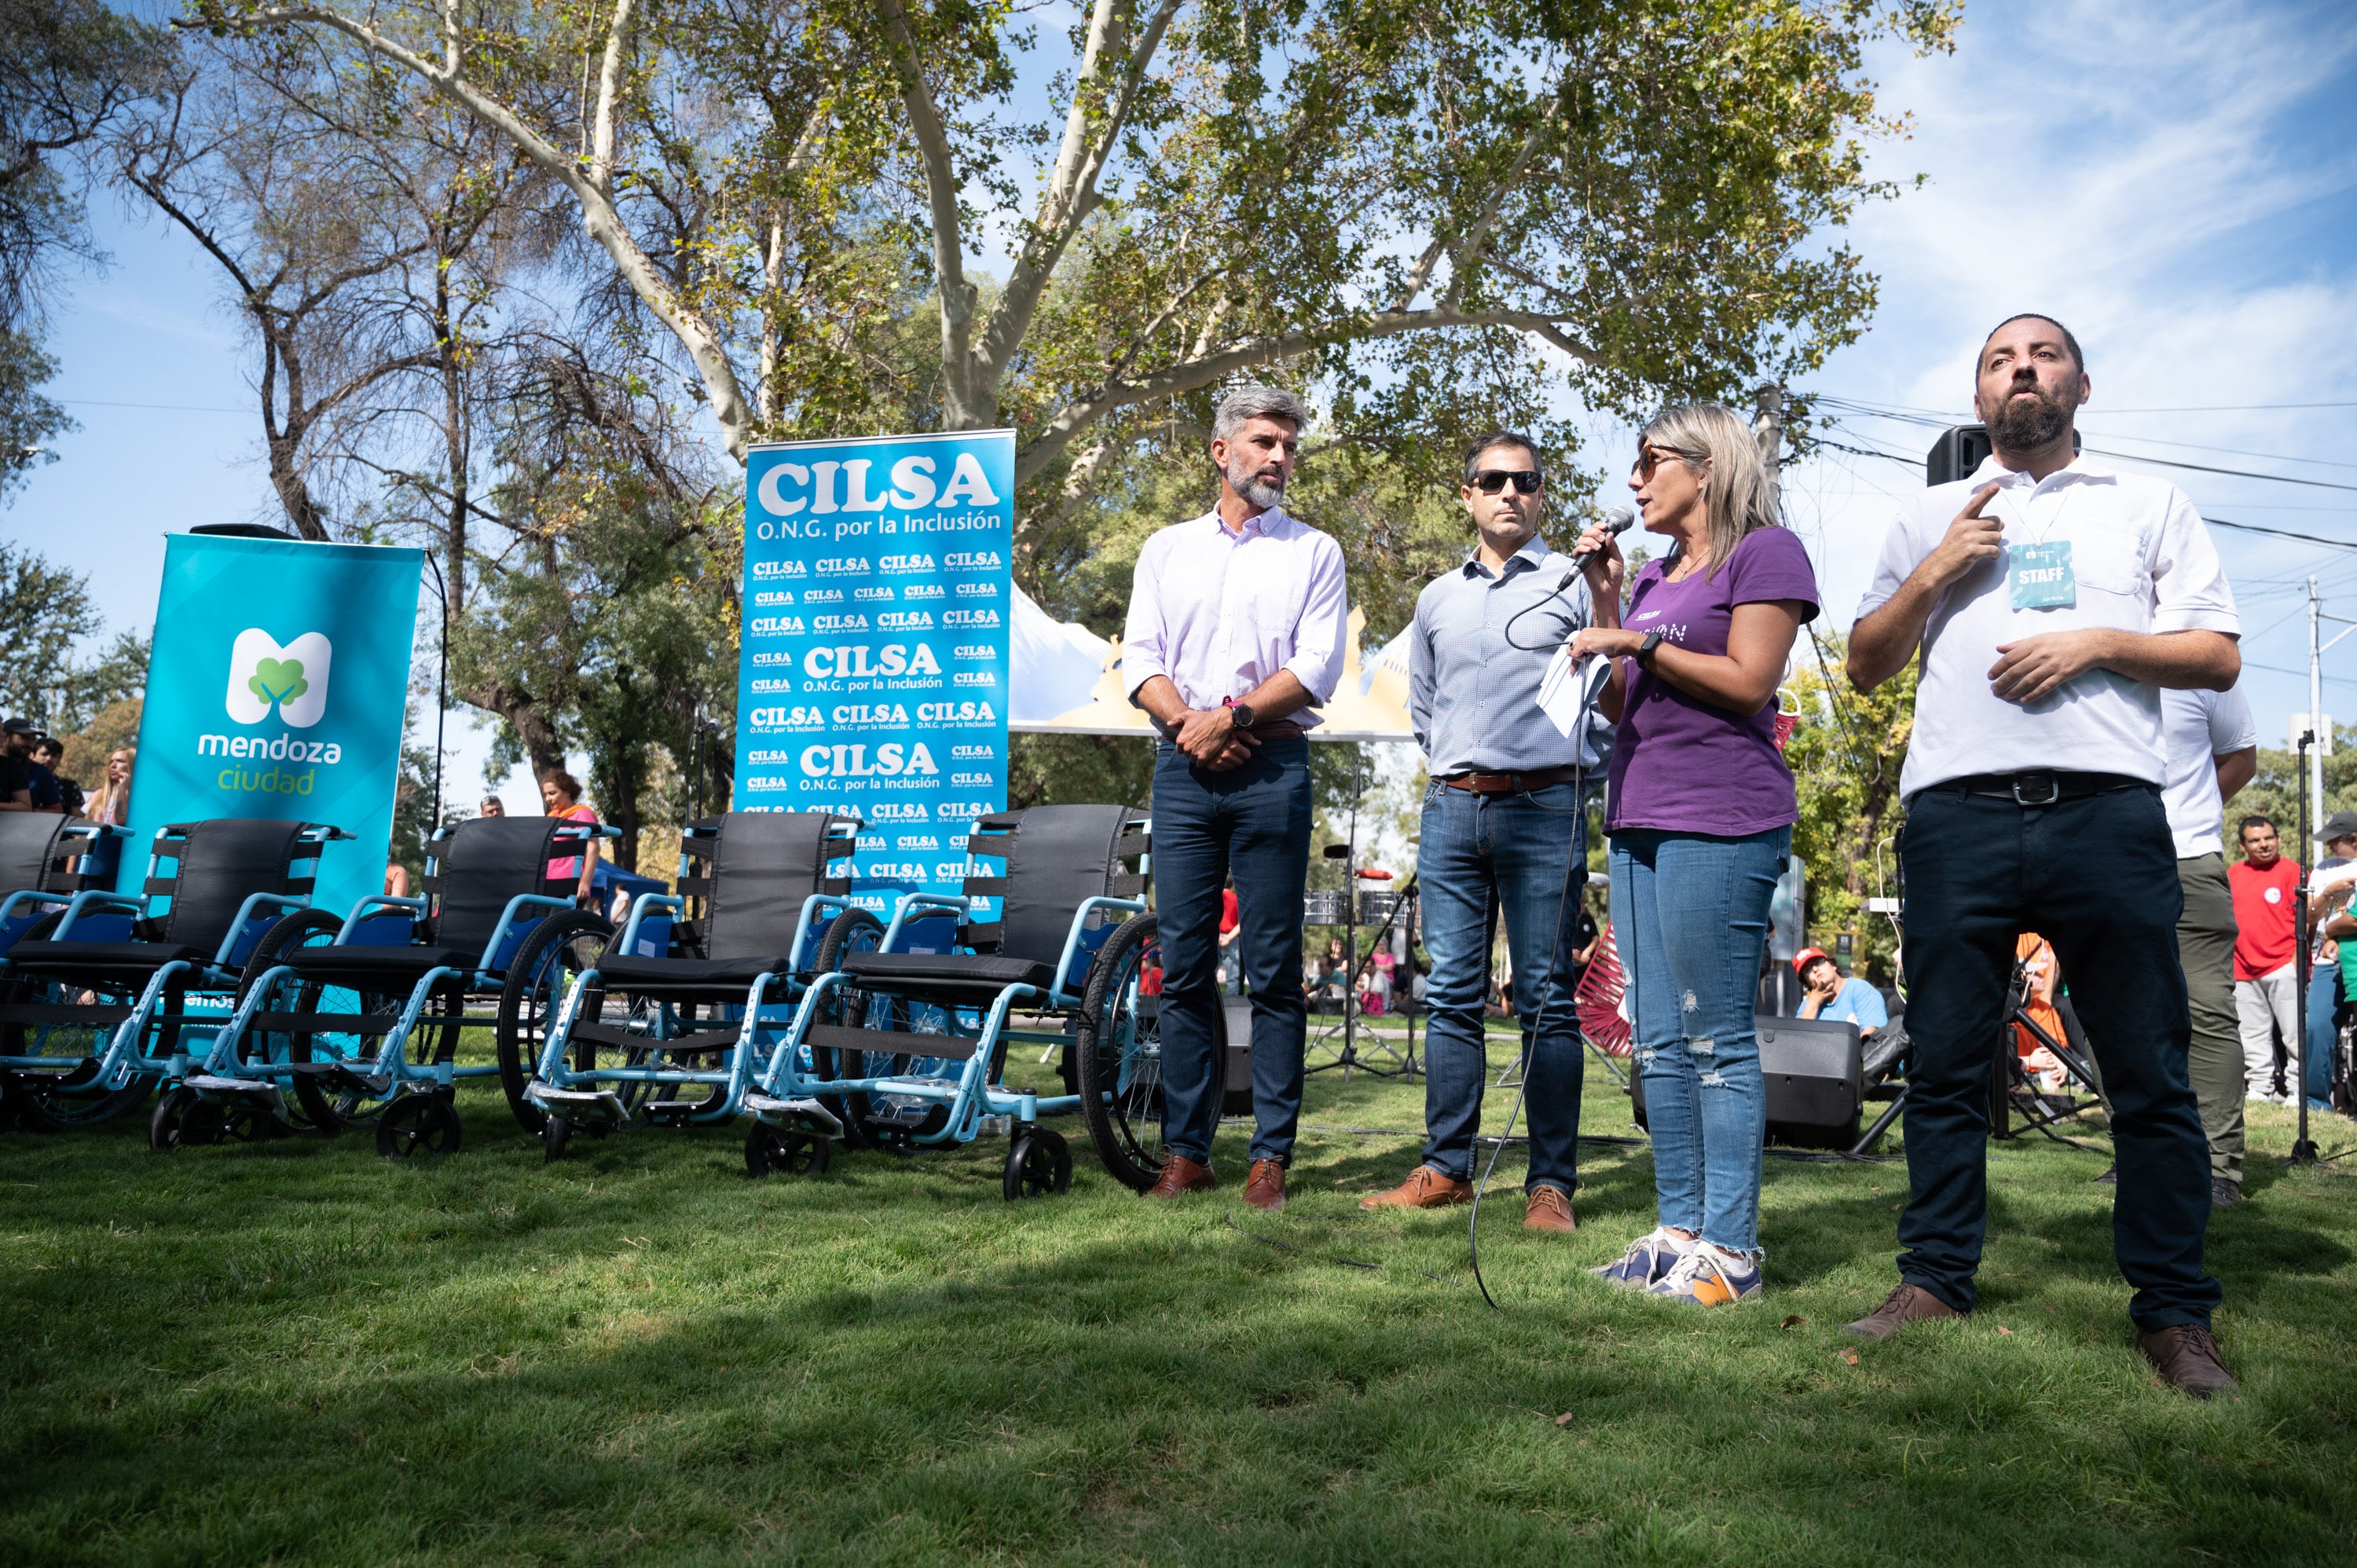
(873, 674)
(277, 688)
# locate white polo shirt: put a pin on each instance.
(2142, 562)
(2198, 728)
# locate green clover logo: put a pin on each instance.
(277, 679)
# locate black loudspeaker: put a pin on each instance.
(1815, 1076)
(1956, 454)
(1235, 1056)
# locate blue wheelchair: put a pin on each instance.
(667, 1007)
(907, 1047)
(360, 1015)
(121, 993)
(45, 859)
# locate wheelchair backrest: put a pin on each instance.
(1057, 858)
(31, 857)
(216, 866)
(482, 864)
(760, 867)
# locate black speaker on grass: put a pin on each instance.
(1235, 1056)
(1815, 1073)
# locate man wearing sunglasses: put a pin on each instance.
(1502, 824)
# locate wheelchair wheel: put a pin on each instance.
(302, 929)
(52, 1102)
(416, 1122)
(186, 1120)
(1038, 1164)
(854, 931)
(560, 948)
(768, 1149)
(1117, 1054)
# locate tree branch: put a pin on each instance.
(1469, 250)
(1198, 373)
(609, 87)
(599, 217)
(1072, 192)
(957, 294)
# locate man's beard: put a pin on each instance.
(2024, 424)
(1260, 491)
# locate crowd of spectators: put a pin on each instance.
(32, 776)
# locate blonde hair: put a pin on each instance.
(109, 802)
(1737, 496)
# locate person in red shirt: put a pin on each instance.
(2266, 945)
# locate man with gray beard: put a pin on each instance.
(1236, 628)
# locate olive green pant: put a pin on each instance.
(2205, 946)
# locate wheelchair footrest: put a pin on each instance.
(571, 1103)
(769, 1107)
(258, 1088)
(371, 1085)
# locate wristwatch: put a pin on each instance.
(1645, 649)
(1240, 715)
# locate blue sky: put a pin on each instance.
(2179, 184)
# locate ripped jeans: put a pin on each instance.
(1689, 919)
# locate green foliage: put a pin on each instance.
(2274, 792)
(1845, 755)
(67, 69)
(44, 612)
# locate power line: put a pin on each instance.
(2281, 532)
(161, 407)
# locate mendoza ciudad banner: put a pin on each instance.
(873, 675)
(278, 687)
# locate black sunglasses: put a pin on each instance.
(1489, 481)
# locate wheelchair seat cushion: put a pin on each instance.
(970, 974)
(622, 973)
(377, 963)
(142, 958)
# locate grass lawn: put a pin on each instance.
(300, 1352)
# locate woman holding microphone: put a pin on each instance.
(1700, 816)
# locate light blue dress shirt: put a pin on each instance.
(1473, 697)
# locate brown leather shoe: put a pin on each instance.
(1903, 1305)
(2187, 1358)
(1265, 1186)
(1179, 1175)
(1549, 1208)
(1424, 1188)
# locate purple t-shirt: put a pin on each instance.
(1680, 763)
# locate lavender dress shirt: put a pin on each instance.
(1220, 613)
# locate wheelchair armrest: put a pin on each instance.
(374, 901)
(516, 906)
(248, 912)
(638, 907)
(911, 903)
(1079, 924)
(95, 897)
(27, 895)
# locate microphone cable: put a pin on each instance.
(1571, 864)
(1616, 522)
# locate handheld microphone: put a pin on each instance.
(1616, 522)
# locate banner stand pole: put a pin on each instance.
(441, 689)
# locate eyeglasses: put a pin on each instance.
(1648, 457)
(1489, 481)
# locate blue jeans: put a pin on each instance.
(1252, 822)
(1690, 915)
(1483, 857)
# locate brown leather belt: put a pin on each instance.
(1279, 729)
(1509, 783)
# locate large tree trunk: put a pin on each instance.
(524, 713)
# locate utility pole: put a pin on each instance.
(1768, 425)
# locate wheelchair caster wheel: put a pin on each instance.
(1038, 1164)
(768, 1148)
(554, 1133)
(417, 1121)
(184, 1119)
